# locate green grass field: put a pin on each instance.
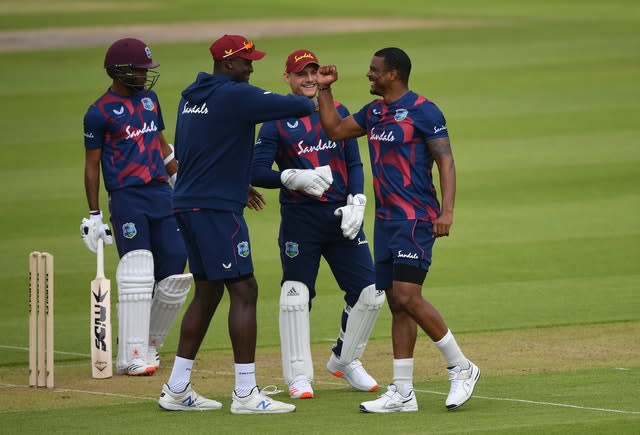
(540, 279)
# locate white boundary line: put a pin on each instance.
(534, 402)
(5, 346)
(72, 390)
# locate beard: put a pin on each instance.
(373, 91)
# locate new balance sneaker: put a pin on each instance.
(258, 403)
(301, 389)
(137, 367)
(462, 385)
(391, 401)
(188, 400)
(353, 373)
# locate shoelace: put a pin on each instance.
(271, 390)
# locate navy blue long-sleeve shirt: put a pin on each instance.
(214, 139)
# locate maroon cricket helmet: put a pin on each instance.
(129, 51)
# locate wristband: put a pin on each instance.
(328, 88)
(94, 212)
(170, 156)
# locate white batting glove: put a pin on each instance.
(93, 229)
(172, 179)
(352, 215)
(311, 181)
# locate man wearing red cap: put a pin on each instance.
(312, 227)
(123, 134)
(214, 139)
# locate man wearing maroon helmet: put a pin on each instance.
(123, 135)
(335, 233)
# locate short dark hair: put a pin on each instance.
(397, 59)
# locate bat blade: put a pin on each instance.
(101, 350)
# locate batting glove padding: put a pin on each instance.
(352, 215)
(314, 182)
(93, 229)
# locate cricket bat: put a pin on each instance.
(100, 326)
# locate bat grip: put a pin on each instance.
(100, 259)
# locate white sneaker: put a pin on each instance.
(258, 403)
(137, 367)
(188, 400)
(462, 384)
(391, 401)
(301, 389)
(353, 373)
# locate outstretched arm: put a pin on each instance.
(336, 128)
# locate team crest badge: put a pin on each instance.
(129, 230)
(291, 249)
(243, 249)
(147, 103)
(400, 114)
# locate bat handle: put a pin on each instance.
(100, 259)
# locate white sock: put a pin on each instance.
(180, 374)
(403, 375)
(451, 351)
(245, 379)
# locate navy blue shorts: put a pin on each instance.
(308, 232)
(407, 242)
(142, 218)
(217, 244)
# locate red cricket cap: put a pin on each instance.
(130, 51)
(231, 46)
(299, 59)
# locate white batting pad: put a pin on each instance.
(362, 318)
(169, 296)
(134, 276)
(294, 331)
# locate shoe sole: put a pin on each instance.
(341, 375)
(180, 408)
(473, 386)
(250, 411)
(146, 372)
(387, 411)
(305, 395)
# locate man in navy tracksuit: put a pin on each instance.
(214, 139)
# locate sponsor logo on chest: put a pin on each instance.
(321, 146)
(195, 109)
(133, 132)
(383, 136)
